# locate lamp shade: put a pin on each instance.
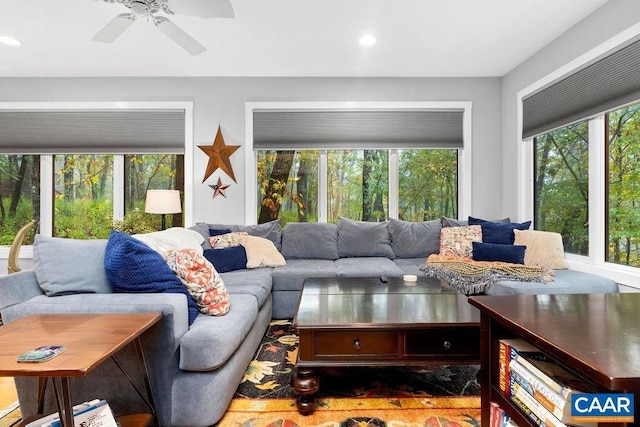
(163, 202)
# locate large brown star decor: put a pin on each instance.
(219, 154)
(219, 189)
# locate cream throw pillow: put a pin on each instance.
(261, 252)
(544, 248)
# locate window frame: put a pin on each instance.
(464, 155)
(46, 161)
(594, 263)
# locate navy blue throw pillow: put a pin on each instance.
(132, 266)
(498, 232)
(495, 252)
(227, 259)
(219, 232)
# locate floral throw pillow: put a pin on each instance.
(201, 280)
(458, 241)
(227, 240)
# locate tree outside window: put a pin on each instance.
(19, 195)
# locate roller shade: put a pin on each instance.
(601, 86)
(92, 131)
(353, 129)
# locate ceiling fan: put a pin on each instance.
(147, 9)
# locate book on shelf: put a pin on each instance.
(508, 349)
(498, 417)
(95, 413)
(532, 408)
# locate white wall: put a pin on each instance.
(221, 101)
(611, 19)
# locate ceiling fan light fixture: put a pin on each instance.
(10, 41)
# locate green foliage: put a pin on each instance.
(135, 222)
(83, 219)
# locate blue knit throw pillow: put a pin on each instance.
(134, 267)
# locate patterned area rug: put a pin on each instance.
(356, 412)
(269, 374)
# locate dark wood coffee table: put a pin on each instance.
(355, 321)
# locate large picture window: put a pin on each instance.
(623, 186)
(561, 193)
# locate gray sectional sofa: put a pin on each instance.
(196, 368)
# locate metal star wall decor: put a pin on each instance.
(219, 154)
(219, 189)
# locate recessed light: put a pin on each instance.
(367, 40)
(10, 41)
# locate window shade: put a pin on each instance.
(604, 85)
(92, 131)
(340, 129)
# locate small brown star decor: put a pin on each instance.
(219, 154)
(219, 189)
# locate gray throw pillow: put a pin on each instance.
(362, 238)
(70, 266)
(415, 239)
(310, 240)
(450, 222)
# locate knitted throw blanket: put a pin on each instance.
(473, 277)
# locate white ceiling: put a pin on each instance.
(427, 38)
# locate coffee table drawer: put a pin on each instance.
(365, 343)
(452, 341)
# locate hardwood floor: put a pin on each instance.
(8, 393)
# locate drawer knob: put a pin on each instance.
(356, 344)
(446, 345)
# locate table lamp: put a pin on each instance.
(163, 202)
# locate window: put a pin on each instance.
(83, 201)
(19, 195)
(428, 181)
(367, 161)
(287, 186)
(561, 189)
(623, 186)
(356, 185)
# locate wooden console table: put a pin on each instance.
(362, 321)
(597, 336)
(90, 340)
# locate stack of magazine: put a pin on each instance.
(536, 384)
(95, 413)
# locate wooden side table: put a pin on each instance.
(90, 340)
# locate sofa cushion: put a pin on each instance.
(134, 267)
(367, 267)
(543, 248)
(70, 266)
(414, 239)
(227, 259)
(362, 238)
(450, 222)
(498, 232)
(410, 265)
(201, 280)
(256, 282)
(291, 276)
(268, 230)
(513, 254)
(211, 340)
(566, 282)
(310, 240)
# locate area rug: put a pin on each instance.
(356, 412)
(269, 374)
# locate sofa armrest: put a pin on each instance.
(173, 308)
(18, 287)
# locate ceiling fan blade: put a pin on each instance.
(203, 8)
(176, 34)
(115, 28)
